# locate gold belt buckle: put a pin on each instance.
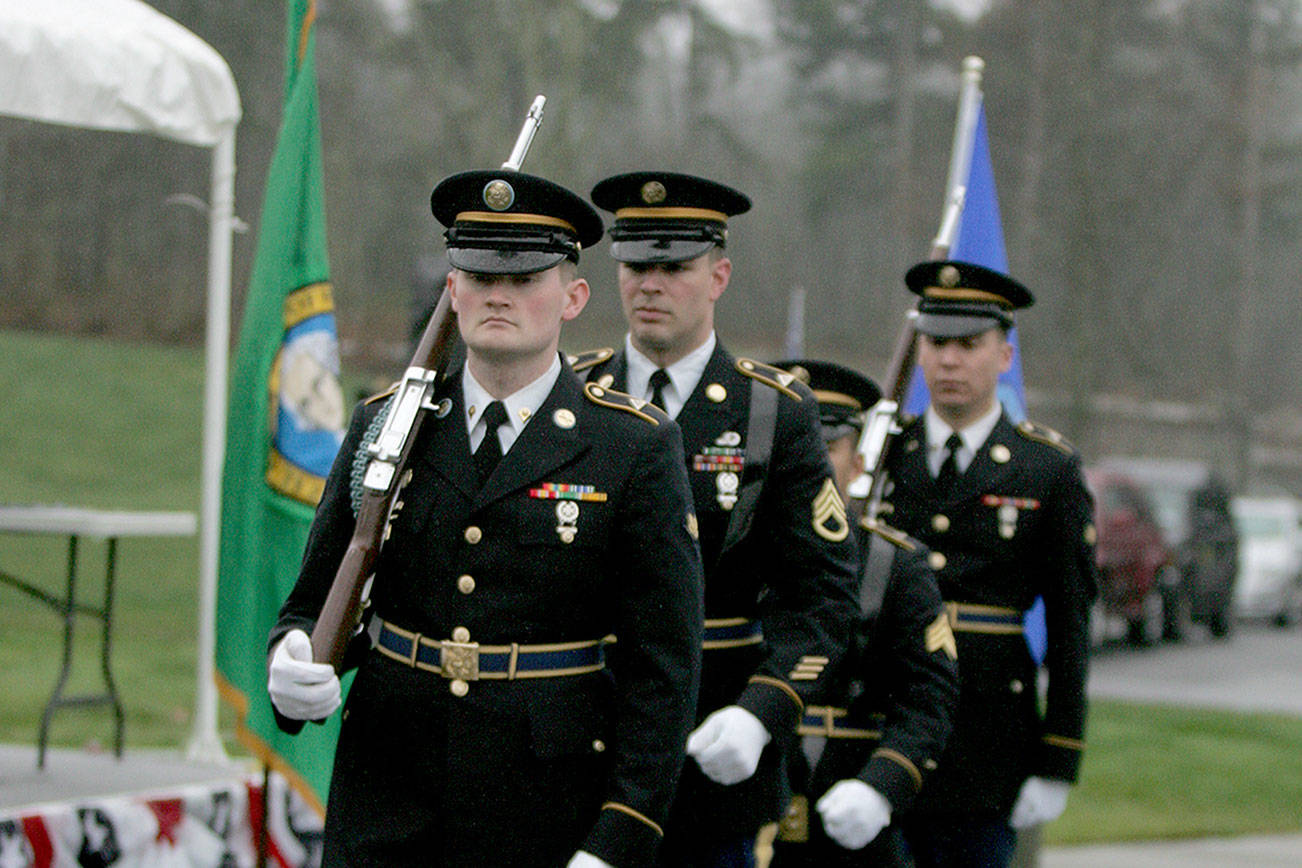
(459, 660)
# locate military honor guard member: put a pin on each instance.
(1007, 517)
(543, 519)
(898, 690)
(777, 546)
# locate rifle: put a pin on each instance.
(341, 614)
(882, 423)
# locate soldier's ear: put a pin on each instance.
(577, 293)
(720, 274)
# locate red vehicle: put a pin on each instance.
(1135, 563)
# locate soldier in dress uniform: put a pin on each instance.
(775, 539)
(898, 690)
(541, 519)
(1006, 514)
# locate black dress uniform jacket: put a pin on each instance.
(1016, 525)
(792, 571)
(519, 772)
(898, 695)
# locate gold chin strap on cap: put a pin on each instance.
(948, 294)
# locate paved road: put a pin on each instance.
(1258, 668)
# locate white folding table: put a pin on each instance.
(75, 523)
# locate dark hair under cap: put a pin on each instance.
(958, 299)
(504, 222)
(667, 216)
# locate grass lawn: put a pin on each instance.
(91, 422)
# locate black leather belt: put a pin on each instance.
(470, 661)
(731, 633)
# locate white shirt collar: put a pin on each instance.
(684, 374)
(973, 436)
(520, 406)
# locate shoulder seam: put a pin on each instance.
(617, 400)
(769, 376)
(1046, 435)
(590, 358)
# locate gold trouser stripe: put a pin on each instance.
(901, 760)
(780, 685)
(637, 815)
(1064, 742)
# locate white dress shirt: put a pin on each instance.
(973, 436)
(684, 374)
(520, 405)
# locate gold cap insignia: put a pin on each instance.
(499, 195)
(948, 277)
(653, 192)
(800, 372)
(829, 514)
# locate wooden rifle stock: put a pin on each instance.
(341, 614)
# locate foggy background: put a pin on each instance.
(1147, 153)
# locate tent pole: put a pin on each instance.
(205, 742)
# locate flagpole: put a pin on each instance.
(960, 154)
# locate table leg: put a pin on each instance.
(69, 621)
(118, 717)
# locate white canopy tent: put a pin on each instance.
(122, 65)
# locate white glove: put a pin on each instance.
(853, 813)
(584, 859)
(299, 688)
(727, 745)
(1041, 800)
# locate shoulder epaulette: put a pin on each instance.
(623, 401)
(892, 535)
(393, 387)
(589, 358)
(769, 376)
(1046, 435)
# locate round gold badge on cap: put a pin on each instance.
(999, 454)
(653, 192)
(716, 393)
(499, 195)
(948, 277)
(564, 418)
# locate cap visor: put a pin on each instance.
(658, 250)
(946, 326)
(485, 261)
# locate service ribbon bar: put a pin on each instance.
(567, 491)
(1017, 502)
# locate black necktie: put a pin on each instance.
(948, 474)
(490, 448)
(659, 379)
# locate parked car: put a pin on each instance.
(1135, 562)
(1203, 590)
(1270, 559)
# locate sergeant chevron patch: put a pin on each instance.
(829, 514)
(940, 637)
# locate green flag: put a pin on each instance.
(285, 423)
